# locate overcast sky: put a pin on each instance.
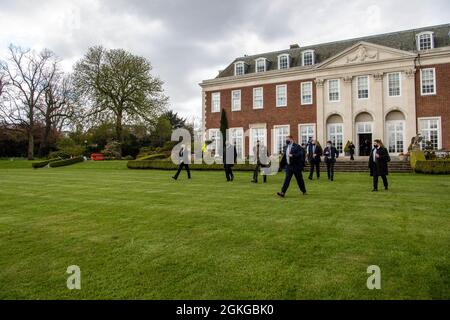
(189, 41)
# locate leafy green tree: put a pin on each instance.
(118, 86)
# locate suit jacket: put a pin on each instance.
(298, 156)
(379, 167)
(318, 152)
(231, 149)
(327, 152)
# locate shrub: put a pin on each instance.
(60, 154)
(66, 162)
(433, 166)
(112, 150)
(169, 165)
(128, 158)
(415, 156)
(44, 163)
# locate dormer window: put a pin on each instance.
(308, 58)
(425, 41)
(283, 61)
(239, 68)
(261, 65)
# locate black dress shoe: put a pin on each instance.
(310, 178)
(304, 193)
(386, 188)
(174, 178)
(281, 194)
(374, 190)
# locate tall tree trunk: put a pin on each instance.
(119, 132)
(30, 145)
(43, 147)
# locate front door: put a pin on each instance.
(365, 143)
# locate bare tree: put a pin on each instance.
(57, 106)
(24, 82)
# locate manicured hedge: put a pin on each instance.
(415, 156)
(153, 157)
(42, 164)
(169, 165)
(433, 166)
(65, 162)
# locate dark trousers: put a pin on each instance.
(330, 168)
(352, 156)
(228, 172)
(185, 165)
(256, 173)
(375, 181)
(314, 163)
(293, 171)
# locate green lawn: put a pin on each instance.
(140, 235)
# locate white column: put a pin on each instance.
(348, 110)
(377, 96)
(410, 122)
(320, 126)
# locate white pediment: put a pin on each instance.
(365, 52)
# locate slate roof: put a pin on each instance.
(402, 40)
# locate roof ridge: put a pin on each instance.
(345, 40)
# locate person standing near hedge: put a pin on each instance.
(330, 153)
(184, 162)
(229, 159)
(378, 164)
(260, 152)
(351, 150)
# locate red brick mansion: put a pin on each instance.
(388, 86)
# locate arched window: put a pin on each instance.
(260, 65)
(425, 41)
(283, 61)
(308, 58)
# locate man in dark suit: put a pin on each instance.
(184, 162)
(293, 159)
(229, 159)
(314, 154)
(330, 154)
(378, 164)
(351, 150)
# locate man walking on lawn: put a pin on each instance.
(294, 161)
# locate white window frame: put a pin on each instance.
(215, 94)
(274, 138)
(439, 128)
(399, 84)
(368, 87)
(313, 125)
(285, 55)
(276, 95)
(251, 138)
(425, 33)
(234, 106)
(236, 64)
(215, 145)
(233, 138)
(329, 125)
(338, 90)
(434, 82)
(312, 57)
(303, 102)
(256, 65)
(262, 98)
(387, 134)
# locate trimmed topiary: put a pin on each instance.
(65, 162)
